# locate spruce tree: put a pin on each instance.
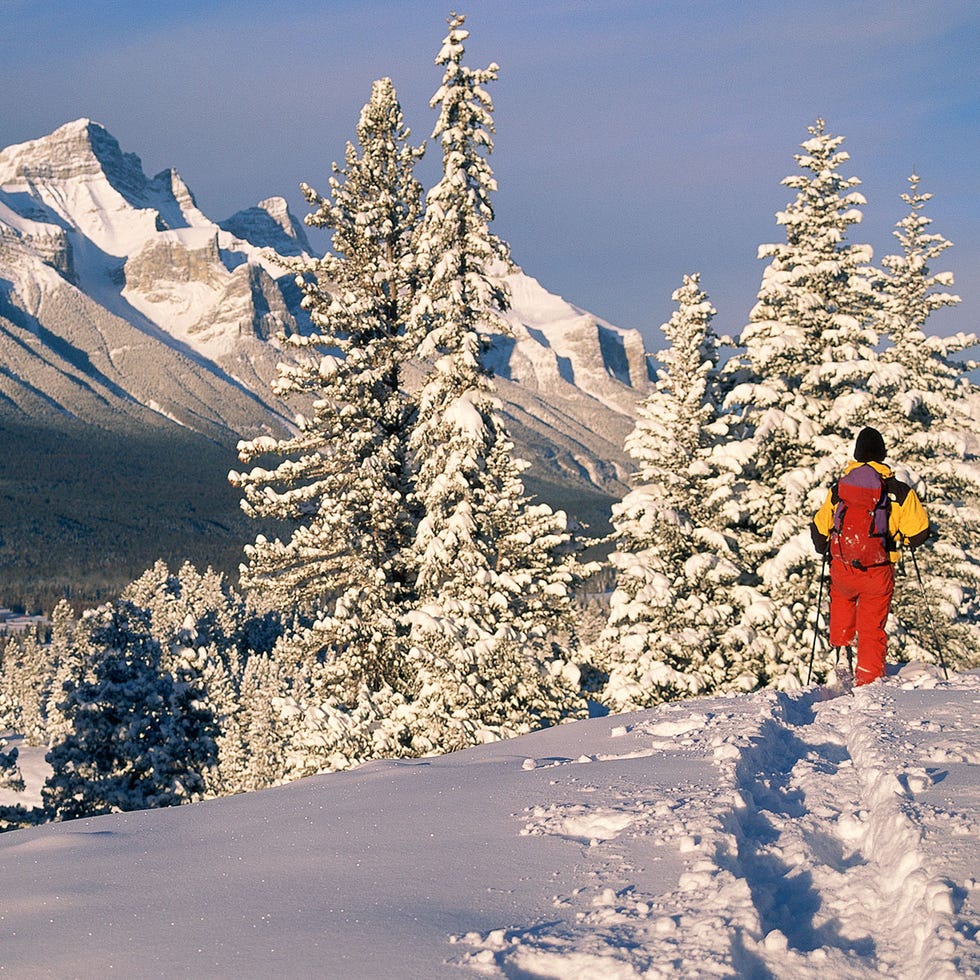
(139, 737)
(331, 734)
(814, 292)
(190, 606)
(808, 355)
(475, 559)
(928, 429)
(923, 382)
(26, 675)
(201, 625)
(805, 381)
(458, 427)
(341, 479)
(69, 666)
(684, 613)
(257, 735)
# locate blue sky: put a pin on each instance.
(636, 141)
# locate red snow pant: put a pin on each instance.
(859, 604)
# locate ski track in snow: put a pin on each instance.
(825, 850)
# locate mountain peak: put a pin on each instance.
(79, 149)
(270, 224)
(151, 270)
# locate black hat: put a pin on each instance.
(869, 446)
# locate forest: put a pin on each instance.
(407, 595)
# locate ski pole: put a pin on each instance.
(925, 602)
(816, 620)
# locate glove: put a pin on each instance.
(917, 539)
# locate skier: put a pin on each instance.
(866, 517)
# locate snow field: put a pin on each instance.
(791, 834)
(811, 857)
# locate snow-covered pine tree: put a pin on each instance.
(26, 675)
(922, 383)
(10, 774)
(138, 738)
(330, 735)
(684, 613)
(809, 347)
(255, 739)
(811, 282)
(923, 412)
(473, 554)
(341, 479)
(202, 627)
(458, 427)
(190, 603)
(805, 380)
(69, 666)
(538, 554)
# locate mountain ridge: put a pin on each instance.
(123, 305)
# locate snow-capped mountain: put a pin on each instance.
(119, 297)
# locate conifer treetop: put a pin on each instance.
(341, 482)
(455, 245)
(673, 419)
(811, 341)
(912, 284)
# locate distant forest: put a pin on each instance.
(84, 511)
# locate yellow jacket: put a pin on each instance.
(907, 518)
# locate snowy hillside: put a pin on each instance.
(768, 835)
(180, 313)
(116, 287)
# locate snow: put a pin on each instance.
(555, 337)
(789, 834)
(85, 199)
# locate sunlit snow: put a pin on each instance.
(790, 834)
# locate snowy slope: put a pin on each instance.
(769, 835)
(140, 252)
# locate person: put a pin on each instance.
(861, 590)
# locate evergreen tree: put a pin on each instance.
(804, 376)
(483, 556)
(341, 481)
(684, 613)
(925, 419)
(257, 735)
(190, 606)
(69, 666)
(922, 383)
(140, 738)
(331, 735)
(682, 417)
(8, 707)
(805, 381)
(458, 428)
(25, 679)
(201, 625)
(538, 561)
